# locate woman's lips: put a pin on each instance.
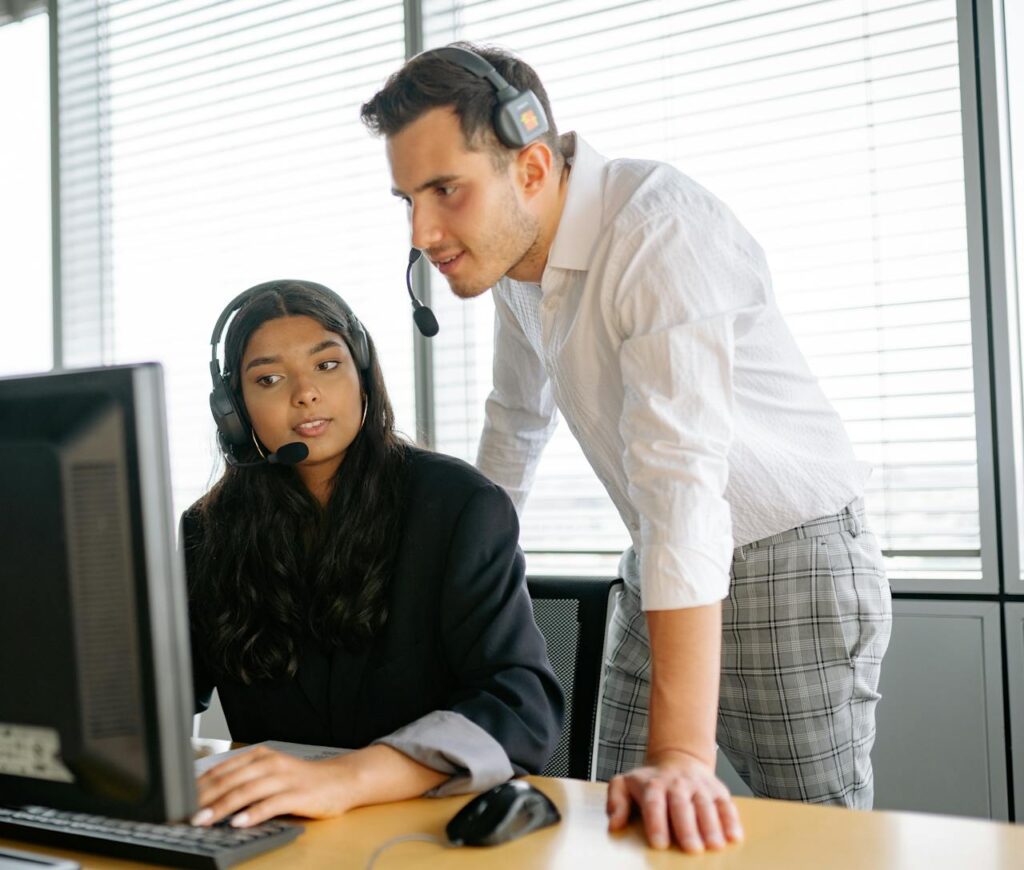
(312, 429)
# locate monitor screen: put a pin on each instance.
(95, 680)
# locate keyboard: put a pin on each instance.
(179, 845)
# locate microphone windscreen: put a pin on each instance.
(291, 454)
(414, 255)
(426, 323)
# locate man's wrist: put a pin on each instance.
(668, 754)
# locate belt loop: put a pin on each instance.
(741, 552)
(853, 524)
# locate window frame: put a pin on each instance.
(993, 314)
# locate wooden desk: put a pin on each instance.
(783, 835)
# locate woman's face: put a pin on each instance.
(300, 383)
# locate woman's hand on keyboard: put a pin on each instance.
(259, 784)
(256, 785)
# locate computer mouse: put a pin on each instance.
(507, 811)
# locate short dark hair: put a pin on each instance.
(429, 81)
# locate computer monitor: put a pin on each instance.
(95, 680)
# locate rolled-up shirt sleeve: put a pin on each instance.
(520, 414)
(450, 743)
(683, 294)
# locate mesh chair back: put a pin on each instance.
(572, 614)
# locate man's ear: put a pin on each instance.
(534, 166)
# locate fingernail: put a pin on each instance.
(659, 842)
(202, 817)
(240, 821)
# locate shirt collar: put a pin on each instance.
(580, 223)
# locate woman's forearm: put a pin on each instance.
(378, 774)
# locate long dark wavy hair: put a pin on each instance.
(273, 568)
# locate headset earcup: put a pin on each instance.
(360, 343)
(231, 427)
(520, 121)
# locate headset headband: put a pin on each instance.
(474, 63)
(352, 322)
(519, 117)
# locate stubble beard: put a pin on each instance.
(515, 241)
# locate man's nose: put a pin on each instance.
(426, 228)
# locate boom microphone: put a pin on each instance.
(290, 454)
(426, 323)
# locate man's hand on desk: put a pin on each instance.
(680, 799)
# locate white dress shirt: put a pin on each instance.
(655, 332)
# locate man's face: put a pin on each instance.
(466, 215)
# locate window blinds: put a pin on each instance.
(208, 146)
(832, 128)
(205, 146)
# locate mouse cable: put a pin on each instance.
(405, 838)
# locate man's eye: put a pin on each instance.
(446, 190)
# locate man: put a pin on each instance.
(631, 300)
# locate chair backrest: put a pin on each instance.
(572, 614)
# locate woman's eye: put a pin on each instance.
(268, 380)
(328, 364)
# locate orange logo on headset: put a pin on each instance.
(529, 120)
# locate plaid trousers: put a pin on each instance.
(804, 630)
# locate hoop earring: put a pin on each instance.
(259, 449)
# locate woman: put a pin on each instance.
(369, 597)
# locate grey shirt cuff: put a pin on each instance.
(450, 743)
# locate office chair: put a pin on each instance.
(572, 614)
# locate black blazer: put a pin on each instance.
(460, 636)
